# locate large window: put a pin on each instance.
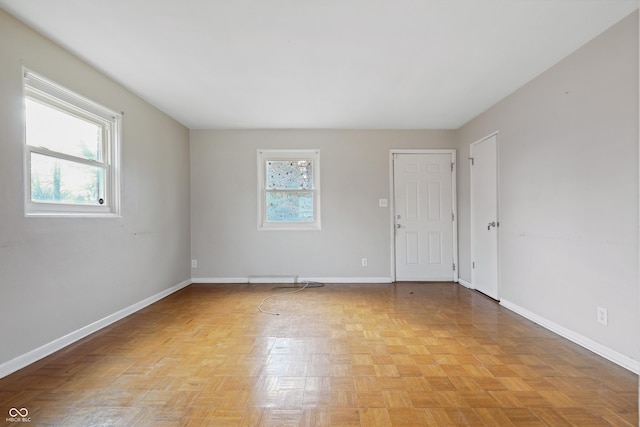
(289, 189)
(71, 152)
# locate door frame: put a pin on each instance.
(471, 210)
(392, 203)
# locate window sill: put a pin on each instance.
(71, 215)
(289, 227)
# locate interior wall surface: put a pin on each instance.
(58, 275)
(354, 175)
(568, 190)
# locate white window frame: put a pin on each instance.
(53, 95)
(269, 155)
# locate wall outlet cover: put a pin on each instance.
(602, 315)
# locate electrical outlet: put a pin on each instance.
(383, 203)
(364, 262)
(194, 263)
(602, 315)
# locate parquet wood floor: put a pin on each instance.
(406, 354)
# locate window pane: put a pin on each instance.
(61, 181)
(290, 206)
(62, 132)
(289, 175)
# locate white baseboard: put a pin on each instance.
(465, 283)
(601, 350)
(363, 280)
(219, 280)
(273, 279)
(289, 279)
(32, 356)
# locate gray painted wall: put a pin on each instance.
(354, 175)
(568, 164)
(59, 275)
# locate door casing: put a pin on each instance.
(392, 210)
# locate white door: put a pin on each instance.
(484, 216)
(423, 208)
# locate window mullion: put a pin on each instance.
(291, 190)
(46, 152)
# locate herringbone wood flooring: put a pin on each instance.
(341, 355)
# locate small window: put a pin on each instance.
(289, 189)
(71, 152)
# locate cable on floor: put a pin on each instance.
(296, 289)
(310, 285)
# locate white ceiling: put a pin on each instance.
(338, 64)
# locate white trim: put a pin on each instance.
(217, 280)
(53, 95)
(362, 280)
(392, 216)
(51, 89)
(287, 279)
(34, 355)
(454, 205)
(454, 209)
(465, 283)
(264, 155)
(273, 279)
(601, 350)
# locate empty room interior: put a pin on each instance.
(319, 213)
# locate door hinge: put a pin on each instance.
(453, 216)
(471, 158)
(454, 266)
(452, 166)
(473, 265)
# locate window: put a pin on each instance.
(289, 189)
(71, 152)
